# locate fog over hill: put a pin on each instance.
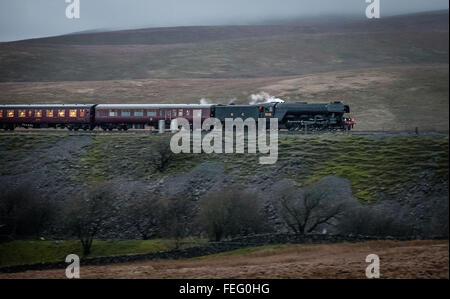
(33, 19)
(436, 21)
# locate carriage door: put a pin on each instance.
(168, 114)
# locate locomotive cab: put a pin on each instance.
(346, 108)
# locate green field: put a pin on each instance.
(38, 251)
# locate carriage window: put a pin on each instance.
(62, 113)
(30, 113)
(82, 112)
(126, 113)
(73, 113)
(151, 113)
(180, 112)
(49, 113)
(22, 113)
(1, 113)
(188, 112)
(139, 113)
(113, 113)
(38, 113)
(174, 112)
(10, 113)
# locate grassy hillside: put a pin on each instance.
(243, 58)
(228, 52)
(377, 167)
(386, 98)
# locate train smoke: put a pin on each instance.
(232, 101)
(204, 101)
(264, 97)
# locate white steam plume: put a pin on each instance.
(264, 97)
(204, 101)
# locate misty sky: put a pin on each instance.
(21, 19)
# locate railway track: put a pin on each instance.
(100, 132)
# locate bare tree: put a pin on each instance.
(305, 210)
(178, 213)
(23, 213)
(86, 215)
(372, 221)
(161, 154)
(145, 214)
(230, 212)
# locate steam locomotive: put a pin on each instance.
(291, 116)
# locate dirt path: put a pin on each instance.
(412, 259)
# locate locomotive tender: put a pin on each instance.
(291, 116)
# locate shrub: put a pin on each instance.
(367, 220)
(230, 213)
(24, 213)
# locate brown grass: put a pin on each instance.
(412, 259)
(387, 98)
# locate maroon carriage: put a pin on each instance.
(44, 116)
(126, 116)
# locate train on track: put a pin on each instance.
(291, 116)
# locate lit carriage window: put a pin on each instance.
(126, 113)
(30, 113)
(62, 113)
(49, 113)
(38, 113)
(139, 113)
(73, 113)
(151, 113)
(82, 112)
(22, 113)
(188, 112)
(112, 113)
(1, 113)
(180, 112)
(10, 113)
